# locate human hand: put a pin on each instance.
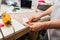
(37, 26)
(34, 18)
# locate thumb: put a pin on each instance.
(32, 19)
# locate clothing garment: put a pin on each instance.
(46, 36)
(50, 1)
(54, 34)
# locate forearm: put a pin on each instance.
(47, 12)
(54, 24)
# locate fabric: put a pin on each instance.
(54, 34)
(50, 1)
(41, 1)
(46, 36)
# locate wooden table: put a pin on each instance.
(19, 30)
(17, 17)
(25, 14)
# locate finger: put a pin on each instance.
(32, 23)
(32, 27)
(32, 19)
(27, 24)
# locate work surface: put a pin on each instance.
(16, 22)
(8, 31)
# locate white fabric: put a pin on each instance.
(50, 1)
(54, 34)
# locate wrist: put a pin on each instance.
(40, 15)
(47, 25)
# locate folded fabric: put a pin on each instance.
(41, 1)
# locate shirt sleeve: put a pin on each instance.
(50, 1)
